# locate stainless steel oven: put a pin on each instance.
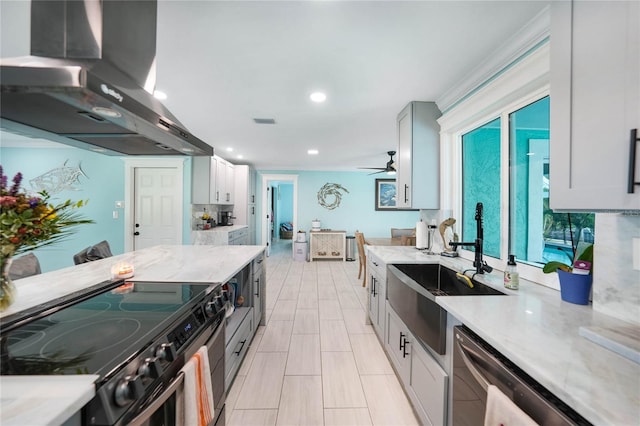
(162, 408)
(135, 336)
(476, 365)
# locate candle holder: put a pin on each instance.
(121, 270)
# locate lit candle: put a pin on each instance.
(122, 270)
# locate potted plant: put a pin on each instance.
(576, 278)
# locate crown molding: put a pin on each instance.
(534, 34)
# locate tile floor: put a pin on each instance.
(316, 362)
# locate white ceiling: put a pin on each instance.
(224, 63)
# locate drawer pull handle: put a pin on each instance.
(241, 346)
(632, 161)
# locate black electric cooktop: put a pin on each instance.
(95, 335)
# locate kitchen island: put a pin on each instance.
(539, 333)
(196, 264)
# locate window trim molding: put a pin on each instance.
(529, 38)
(520, 85)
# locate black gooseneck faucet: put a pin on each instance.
(480, 265)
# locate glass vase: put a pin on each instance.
(7, 288)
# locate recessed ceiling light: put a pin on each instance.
(313, 152)
(239, 157)
(187, 149)
(158, 94)
(318, 97)
(229, 149)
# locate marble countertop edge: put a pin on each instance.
(53, 407)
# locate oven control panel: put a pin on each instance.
(183, 332)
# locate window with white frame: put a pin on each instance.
(495, 143)
(517, 151)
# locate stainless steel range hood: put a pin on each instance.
(84, 83)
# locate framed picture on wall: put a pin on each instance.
(385, 194)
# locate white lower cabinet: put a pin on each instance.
(377, 285)
(237, 345)
(239, 237)
(421, 376)
(259, 288)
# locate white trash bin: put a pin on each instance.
(300, 251)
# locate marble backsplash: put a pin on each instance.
(616, 285)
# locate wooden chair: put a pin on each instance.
(361, 257)
(406, 236)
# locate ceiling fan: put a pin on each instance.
(390, 168)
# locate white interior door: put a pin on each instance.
(156, 207)
(154, 201)
(270, 214)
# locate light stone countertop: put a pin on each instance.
(539, 332)
(43, 400)
(214, 236)
(208, 264)
(36, 400)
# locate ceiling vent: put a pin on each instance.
(264, 121)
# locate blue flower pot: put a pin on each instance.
(575, 288)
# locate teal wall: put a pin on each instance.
(356, 210)
(103, 186)
(284, 204)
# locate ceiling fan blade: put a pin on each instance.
(373, 168)
(375, 173)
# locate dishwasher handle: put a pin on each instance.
(482, 381)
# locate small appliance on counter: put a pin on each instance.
(225, 218)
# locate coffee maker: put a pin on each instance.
(225, 218)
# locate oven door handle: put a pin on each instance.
(158, 402)
(482, 381)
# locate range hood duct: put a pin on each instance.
(84, 83)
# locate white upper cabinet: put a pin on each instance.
(245, 199)
(595, 105)
(212, 181)
(418, 164)
(224, 182)
(202, 180)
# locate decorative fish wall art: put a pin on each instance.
(59, 179)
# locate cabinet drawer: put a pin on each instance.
(377, 266)
(237, 348)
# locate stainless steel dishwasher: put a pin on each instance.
(476, 365)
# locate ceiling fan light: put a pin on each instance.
(391, 172)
